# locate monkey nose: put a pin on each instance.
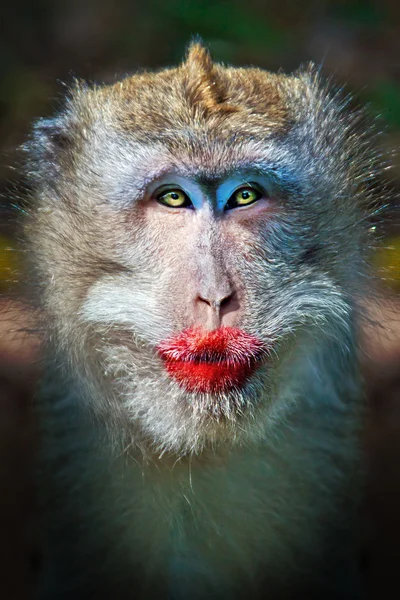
(216, 302)
(218, 309)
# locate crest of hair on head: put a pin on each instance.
(204, 84)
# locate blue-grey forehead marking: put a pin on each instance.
(270, 177)
(281, 176)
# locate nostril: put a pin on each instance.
(225, 301)
(205, 300)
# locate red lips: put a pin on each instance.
(212, 361)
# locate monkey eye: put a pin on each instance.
(244, 196)
(175, 198)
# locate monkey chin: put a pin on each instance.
(211, 361)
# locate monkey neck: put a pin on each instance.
(241, 494)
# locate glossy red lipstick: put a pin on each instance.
(211, 361)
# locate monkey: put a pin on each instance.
(197, 241)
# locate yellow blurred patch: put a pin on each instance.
(387, 261)
(9, 262)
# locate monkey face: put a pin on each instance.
(181, 236)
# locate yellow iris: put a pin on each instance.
(174, 198)
(245, 196)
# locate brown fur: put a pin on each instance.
(214, 95)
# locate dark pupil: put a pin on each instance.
(245, 195)
(174, 196)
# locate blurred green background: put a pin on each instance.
(43, 41)
(44, 44)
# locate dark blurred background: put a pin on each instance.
(45, 43)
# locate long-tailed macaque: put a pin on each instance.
(197, 239)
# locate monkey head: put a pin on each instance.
(192, 230)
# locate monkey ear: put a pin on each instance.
(48, 144)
